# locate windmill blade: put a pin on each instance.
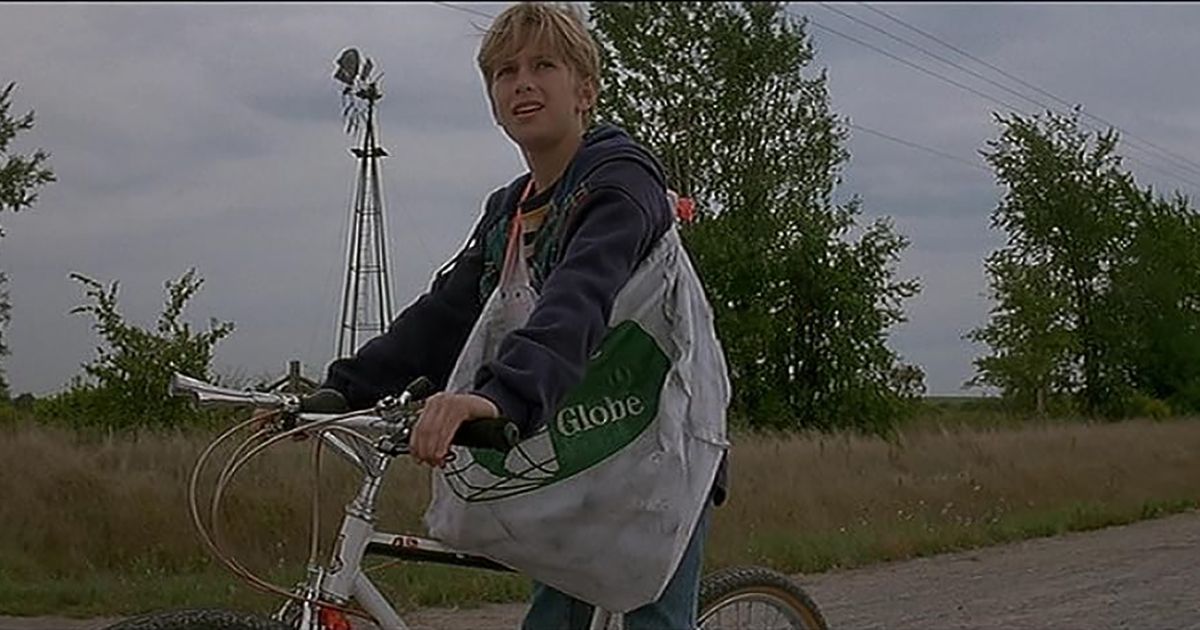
(367, 67)
(347, 66)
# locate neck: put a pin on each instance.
(548, 163)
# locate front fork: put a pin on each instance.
(336, 586)
(302, 613)
(338, 583)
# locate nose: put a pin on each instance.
(524, 81)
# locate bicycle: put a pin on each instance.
(729, 599)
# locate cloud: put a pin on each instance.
(209, 136)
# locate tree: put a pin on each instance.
(21, 175)
(1156, 295)
(20, 178)
(718, 90)
(1065, 211)
(1097, 289)
(133, 369)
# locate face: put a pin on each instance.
(538, 100)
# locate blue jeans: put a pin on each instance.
(676, 609)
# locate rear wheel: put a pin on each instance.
(205, 619)
(756, 598)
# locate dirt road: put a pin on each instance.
(1140, 576)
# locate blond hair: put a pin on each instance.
(560, 27)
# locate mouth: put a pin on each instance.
(526, 110)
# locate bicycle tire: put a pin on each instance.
(199, 619)
(720, 592)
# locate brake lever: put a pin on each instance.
(401, 411)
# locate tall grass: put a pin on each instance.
(99, 524)
(812, 502)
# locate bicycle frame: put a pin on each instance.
(343, 580)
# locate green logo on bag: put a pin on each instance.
(611, 407)
(577, 419)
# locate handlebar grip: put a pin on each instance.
(497, 434)
(324, 400)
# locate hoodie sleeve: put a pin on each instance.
(616, 223)
(425, 339)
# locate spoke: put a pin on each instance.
(776, 615)
(757, 611)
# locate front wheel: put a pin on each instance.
(206, 619)
(756, 598)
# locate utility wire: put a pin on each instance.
(921, 147)
(885, 32)
(466, 10)
(905, 62)
(891, 138)
(1132, 141)
(907, 143)
(967, 88)
(968, 55)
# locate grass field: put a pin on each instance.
(99, 526)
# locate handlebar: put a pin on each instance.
(497, 434)
(209, 395)
(370, 439)
(500, 434)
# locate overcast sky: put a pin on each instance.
(210, 136)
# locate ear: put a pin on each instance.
(587, 94)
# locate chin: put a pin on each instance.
(531, 139)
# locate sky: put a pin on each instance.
(209, 136)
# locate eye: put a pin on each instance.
(545, 63)
(502, 71)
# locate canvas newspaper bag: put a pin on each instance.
(602, 503)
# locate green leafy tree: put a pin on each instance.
(133, 368)
(1035, 347)
(1156, 298)
(1096, 290)
(20, 175)
(20, 178)
(1066, 211)
(719, 91)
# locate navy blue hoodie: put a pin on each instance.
(617, 212)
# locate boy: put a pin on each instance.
(592, 207)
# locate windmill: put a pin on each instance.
(366, 293)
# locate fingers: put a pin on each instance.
(439, 420)
(446, 429)
(418, 442)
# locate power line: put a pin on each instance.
(905, 61)
(1195, 166)
(927, 52)
(921, 147)
(943, 78)
(907, 143)
(466, 10)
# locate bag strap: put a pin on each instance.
(515, 267)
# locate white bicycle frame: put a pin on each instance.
(343, 580)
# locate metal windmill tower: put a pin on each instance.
(367, 291)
